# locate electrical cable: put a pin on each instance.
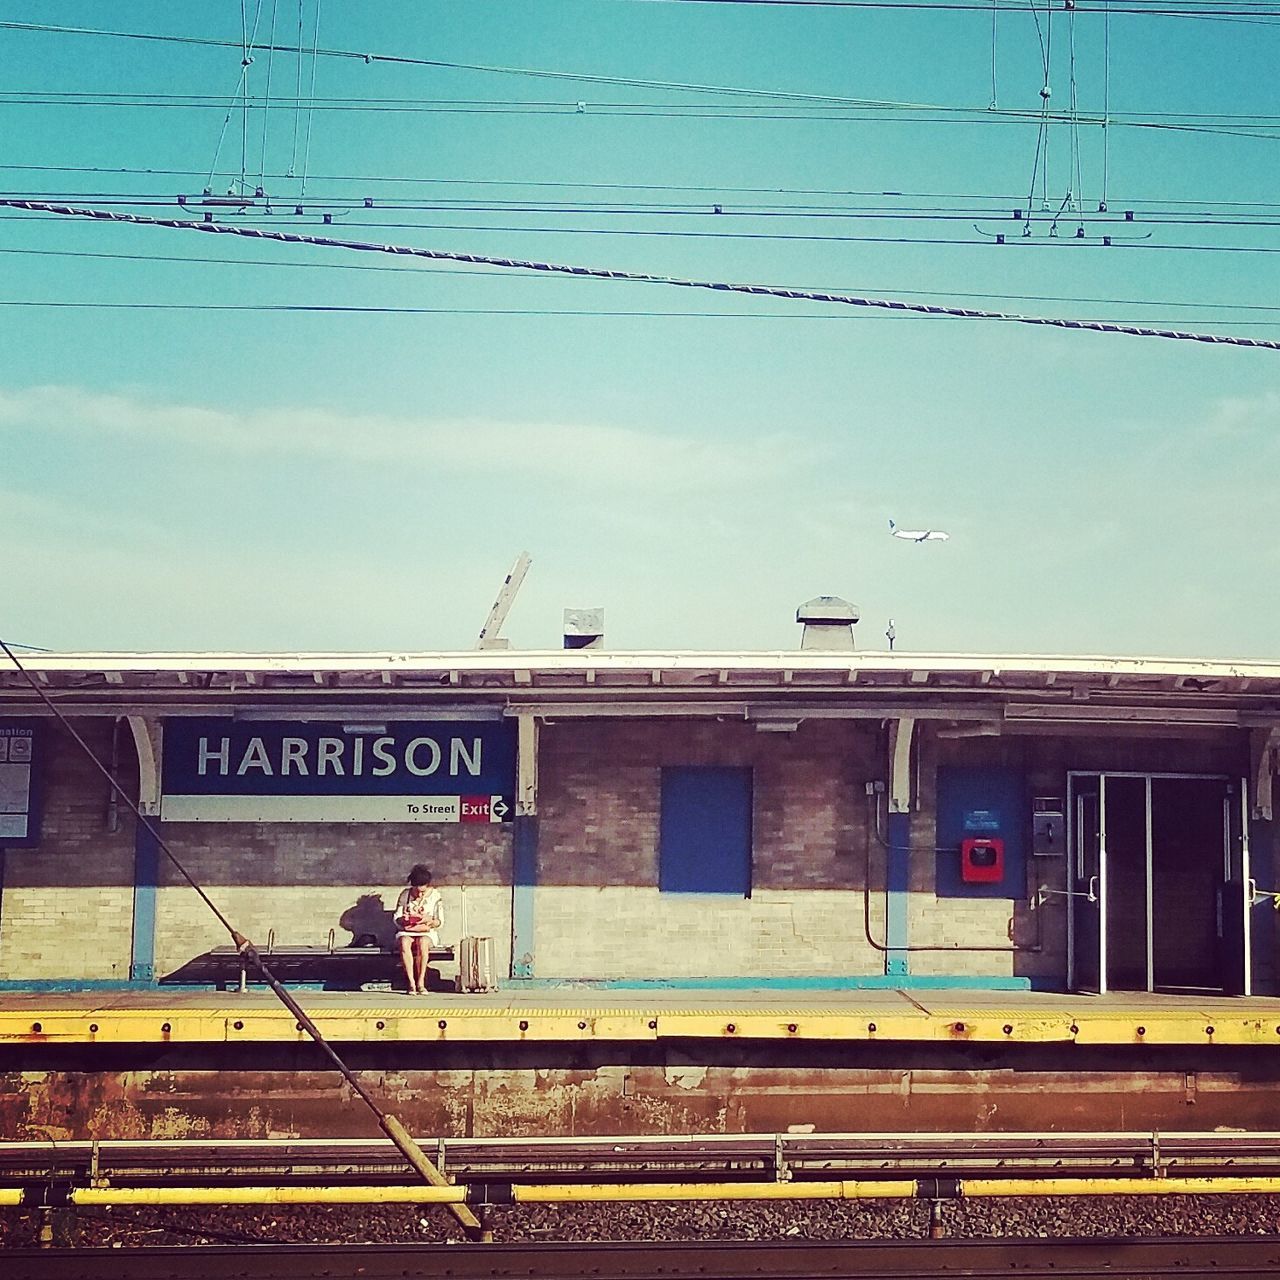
(266, 95)
(873, 828)
(1250, 127)
(249, 954)
(1075, 180)
(244, 96)
(297, 96)
(546, 312)
(995, 18)
(371, 215)
(1040, 159)
(1106, 100)
(1048, 132)
(432, 269)
(1244, 11)
(991, 240)
(601, 273)
(564, 184)
(315, 62)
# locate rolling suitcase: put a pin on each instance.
(476, 971)
(475, 965)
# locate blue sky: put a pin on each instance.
(244, 479)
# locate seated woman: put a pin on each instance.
(419, 914)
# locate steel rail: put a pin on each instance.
(980, 1259)
(934, 1154)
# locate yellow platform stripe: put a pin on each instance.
(229, 1024)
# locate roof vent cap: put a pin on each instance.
(828, 623)
(584, 628)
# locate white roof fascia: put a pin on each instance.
(643, 663)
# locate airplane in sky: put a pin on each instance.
(918, 535)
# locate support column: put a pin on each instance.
(146, 877)
(897, 856)
(524, 849)
(146, 853)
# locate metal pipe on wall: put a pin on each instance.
(633, 1192)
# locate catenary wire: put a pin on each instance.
(466, 272)
(374, 209)
(603, 273)
(31, 648)
(566, 184)
(266, 93)
(989, 240)
(1254, 128)
(545, 312)
(311, 104)
(1244, 10)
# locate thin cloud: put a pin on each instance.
(618, 457)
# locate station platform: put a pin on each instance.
(573, 1013)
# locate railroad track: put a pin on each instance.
(1038, 1259)
(802, 1156)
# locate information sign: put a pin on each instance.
(220, 770)
(18, 825)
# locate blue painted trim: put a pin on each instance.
(76, 984)
(524, 882)
(868, 982)
(146, 877)
(897, 871)
(863, 982)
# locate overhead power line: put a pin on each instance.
(1261, 11)
(1004, 239)
(566, 184)
(370, 215)
(601, 273)
(1254, 127)
(326, 308)
(435, 269)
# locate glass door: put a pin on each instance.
(1087, 960)
(1236, 961)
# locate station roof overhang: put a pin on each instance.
(775, 689)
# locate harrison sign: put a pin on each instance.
(219, 770)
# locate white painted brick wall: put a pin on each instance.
(630, 932)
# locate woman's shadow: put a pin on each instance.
(370, 922)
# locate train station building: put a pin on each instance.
(820, 818)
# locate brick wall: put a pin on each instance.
(67, 906)
(598, 909)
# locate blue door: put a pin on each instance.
(704, 840)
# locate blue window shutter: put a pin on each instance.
(704, 842)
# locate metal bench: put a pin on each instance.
(346, 967)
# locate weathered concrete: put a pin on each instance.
(689, 1088)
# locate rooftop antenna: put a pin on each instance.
(890, 635)
(488, 637)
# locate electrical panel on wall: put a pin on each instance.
(1048, 827)
(981, 832)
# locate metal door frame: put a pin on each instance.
(1073, 775)
(1074, 800)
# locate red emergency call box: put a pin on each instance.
(982, 860)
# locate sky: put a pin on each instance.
(188, 469)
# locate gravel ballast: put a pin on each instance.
(1126, 1216)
